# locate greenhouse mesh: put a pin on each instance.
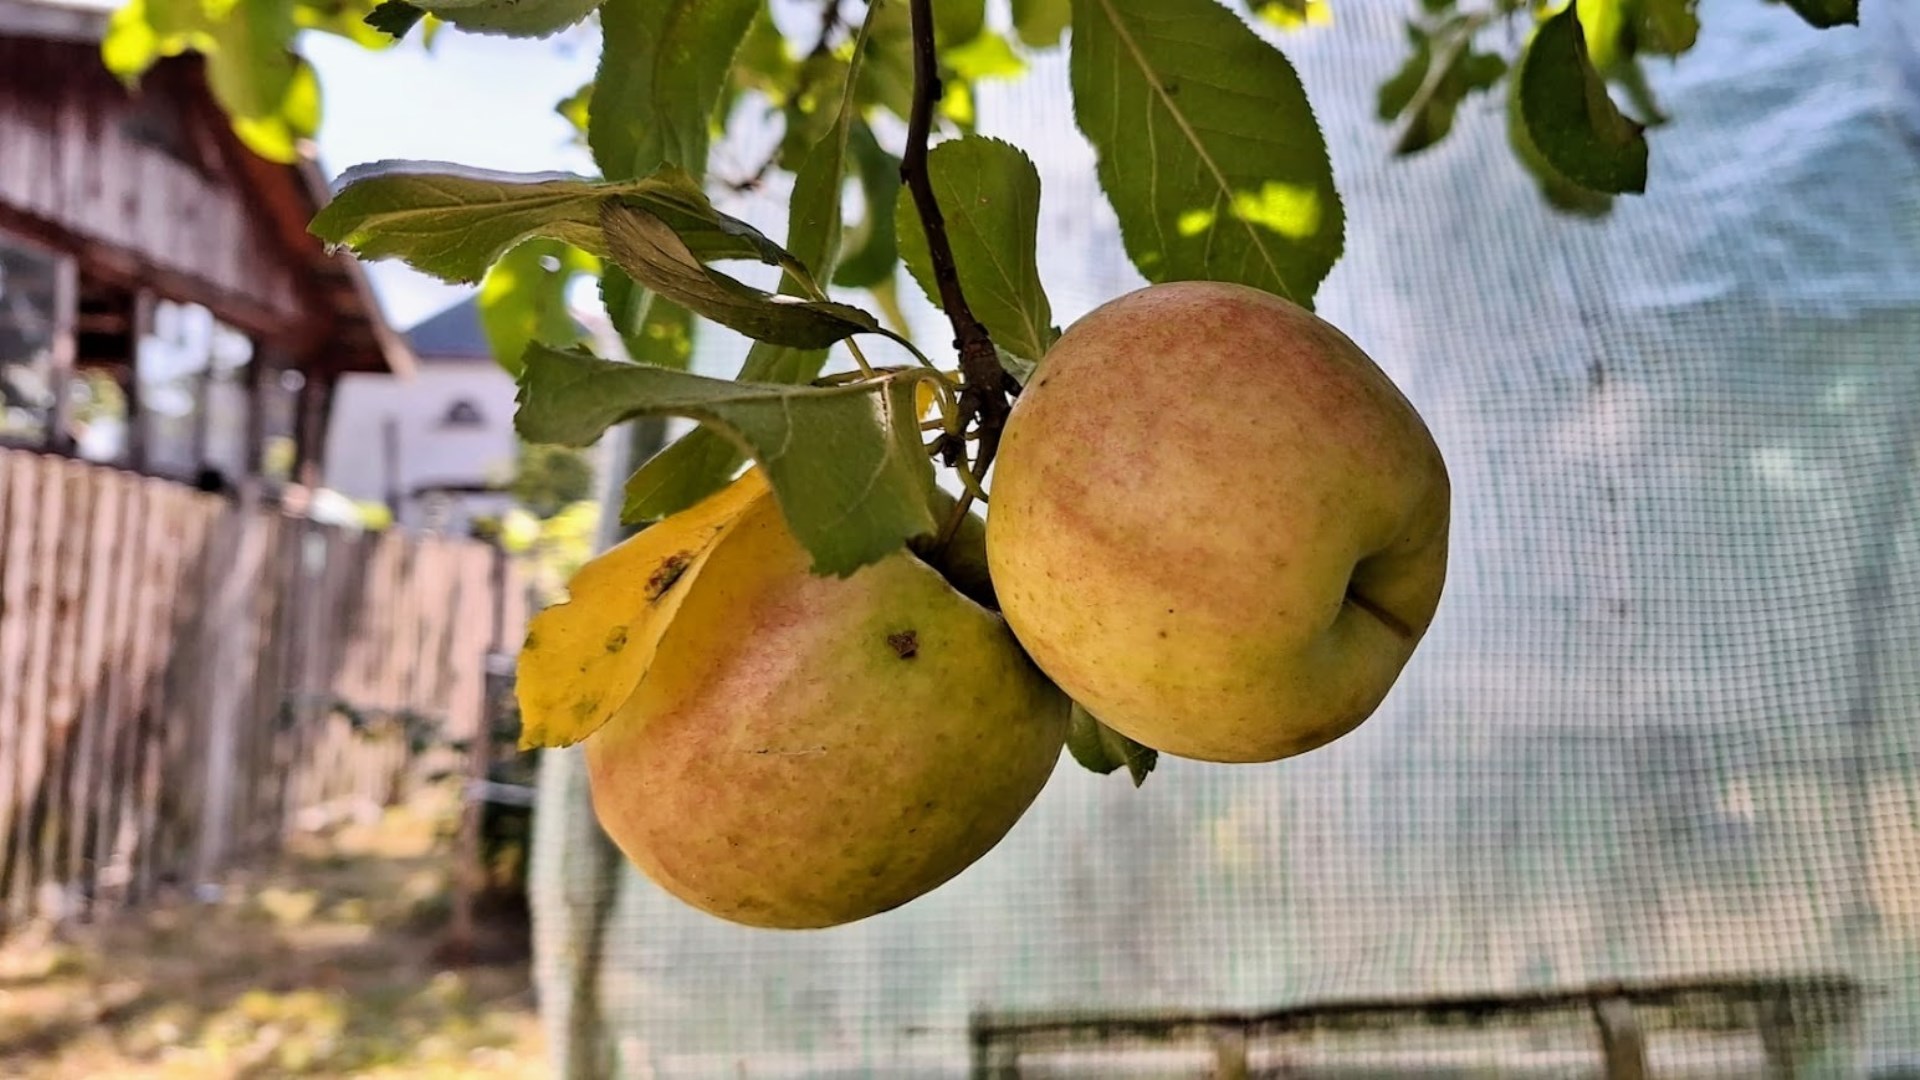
(1665, 727)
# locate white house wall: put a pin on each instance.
(431, 453)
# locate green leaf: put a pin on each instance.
(131, 43)
(1098, 748)
(696, 466)
(1207, 147)
(1603, 25)
(763, 61)
(845, 462)
(649, 250)
(453, 222)
(1429, 90)
(513, 18)
(662, 66)
(277, 133)
(1665, 27)
(1569, 117)
(395, 18)
(1020, 368)
(955, 21)
(1560, 193)
(524, 299)
(1292, 14)
(1041, 22)
(989, 194)
(664, 338)
(573, 108)
(1826, 14)
(346, 20)
(813, 211)
(988, 56)
(702, 461)
(886, 75)
(1631, 78)
(653, 330)
(872, 251)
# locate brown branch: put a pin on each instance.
(985, 386)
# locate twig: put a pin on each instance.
(984, 394)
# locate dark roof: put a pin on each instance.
(453, 334)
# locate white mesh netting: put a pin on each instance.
(1665, 725)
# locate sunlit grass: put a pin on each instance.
(323, 966)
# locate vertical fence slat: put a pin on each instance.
(89, 681)
(16, 571)
(176, 671)
(148, 641)
(67, 687)
(126, 652)
(41, 599)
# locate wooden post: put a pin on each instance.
(234, 661)
(1230, 1053)
(66, 345)
(136, 407)
(315, 404)
(19, 492)
(1781, 1038)
(44, 517)
(483, 584)
(1621, 1041)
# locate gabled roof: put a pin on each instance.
(284, 198)
(454, 333)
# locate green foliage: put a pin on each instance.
(989, 193)
(1443, 70)
(662, 68)
(513, 18)
(453, 222)
(653, 254)
(702, 461)
(395, 18)
(523, 298)
(870, 250)
(1208, 149)
(549, 479)
(845, 462)
(1098, 748)
(1570, 118)
(1827, 13)
(270, 94)
(1041, 22)
(653, 330)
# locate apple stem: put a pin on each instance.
(985, 392)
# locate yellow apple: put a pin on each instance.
(804, 751)
(1217, 524)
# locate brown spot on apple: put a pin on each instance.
(905, 644)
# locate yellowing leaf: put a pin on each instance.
(583, 659)
(757, 551)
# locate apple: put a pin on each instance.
(805, 751)
(1216, 523)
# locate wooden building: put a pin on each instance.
(162, 305)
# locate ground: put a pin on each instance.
(327, 964)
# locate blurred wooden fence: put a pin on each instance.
(182, 680)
